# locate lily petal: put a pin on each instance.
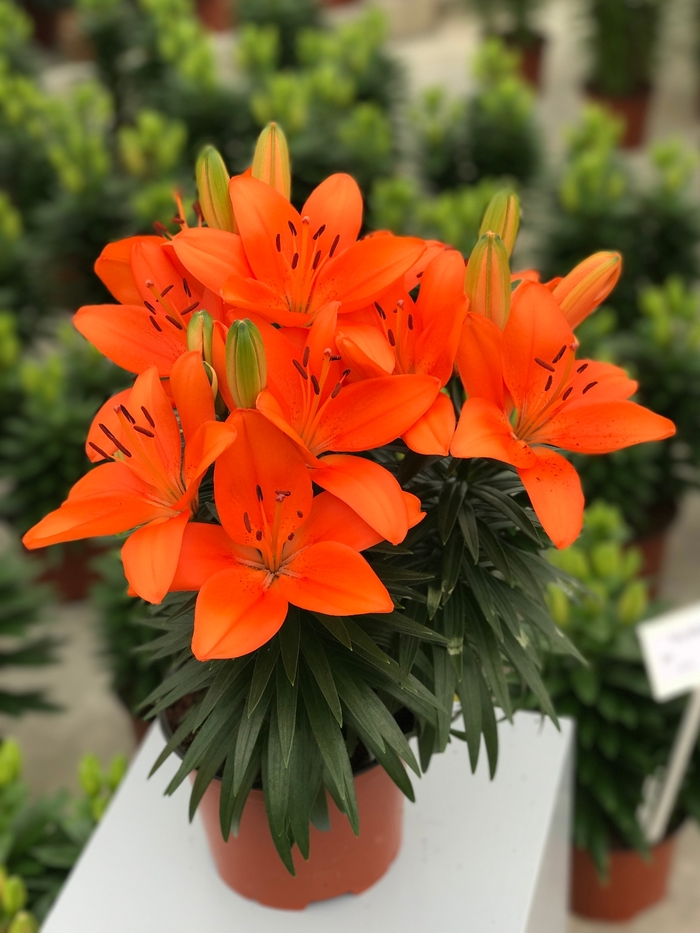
(484, 431)
(554, 488)
(335, 204)
(209, 442)
(331, 519)
(235, 614)
(480, 359)
(433, 432)
(150, 556)
(206, 549)
(601, 427)
(211, 256)
(113, 266)
(108, 417)
(192, 393)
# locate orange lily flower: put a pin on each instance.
(527, 393)
(414, 337)
(307, 398)
(278, 545)
(302, 262)
(157, 293)
(149, 485)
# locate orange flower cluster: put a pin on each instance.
(280, 349)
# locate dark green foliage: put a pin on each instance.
(22, 600)
(624, 39)
(41, 840)
(513, 15)
(123, 631)
(289, 17)
(623, 735)
(329, 694)
(42, 450)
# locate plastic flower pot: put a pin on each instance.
(531, 57)
(633, 884)
(634, 110)
(339, 862)
(215, 15)
(654, 544)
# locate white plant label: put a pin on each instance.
(671, 650)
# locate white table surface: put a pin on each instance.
(478, 856)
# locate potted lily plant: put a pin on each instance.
(335, 525)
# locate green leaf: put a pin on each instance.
(490, 656)
(320, 816)
(470, 532)
(265, 661)
(481, 593)
(289, 636)
(444, 691)
(286, 711)
(251, 724)
(276, 789)
(451, 563)
(317, 661)
(336, 627)
(469, 692)
(449, 504)
(305, 782)
(527, 670)
(489, 727)
(494, 550)
(505, 504)
(361, 639)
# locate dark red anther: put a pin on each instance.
(567, 393)
(307, 354)
(174, 322)
(258, 493)
(178, 220)
(161, 229)
(300, 369)
(167, 289)
(144, 431)
(544, 365)
(392, 339)
(185, 285)
(99, 451)
(319, 232)
(147, 416)
(258, 535)
(278, 243)
(156, 325)
(334, 245)
(292, 228)
(419, 275)
(548, 386)
(590, 386)
(379, 308)
(246, 522)
(127, 414)
(113, 439)
(317, 259)
(346, 373)
(300, 514)
(338, 386)
(295, 260)
(582, 367)
(410, 322)
(197, 208)
(192, 307)
(559, 354)
(290, 536)
(317, 387)
(335, 359)
(150, 307)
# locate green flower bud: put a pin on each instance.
(199, 334)
(24, 922)
(90, 775)
(559, 605)
(14, 895)
(487, 280)
(212, 185)
(503, 217)
(98, 805)
(117, 770)
(10, 762)
(271, 160)
(571, 560)
(246, 364)
(633, 602)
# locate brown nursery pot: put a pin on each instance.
(339, 862)
(216, 15)
(633, 884)
(531, 58)
(72, 575)
(139, 728)
(634, 109)
(654, 543)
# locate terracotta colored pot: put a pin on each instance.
(531, 58)
(216, 15)
(633, 884)
(634, 109)
(139, 728)
(654, 543)
(339, 861)
(72, 574)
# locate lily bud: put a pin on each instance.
(271, 160)
(503, 217)
(246, 363)
(559, 605)
(587, 286)
(90, 775)
(10, 762)
(24, 922)
(212, 185)
(633, 602)
(199, 334)
(14, 895)
(117, 770)
(487, 281)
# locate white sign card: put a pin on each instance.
(671, 650)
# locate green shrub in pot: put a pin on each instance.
(623, 42)
(623, 736)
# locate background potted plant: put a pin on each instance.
(623, 735)
(623, 42)
(512, 22)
